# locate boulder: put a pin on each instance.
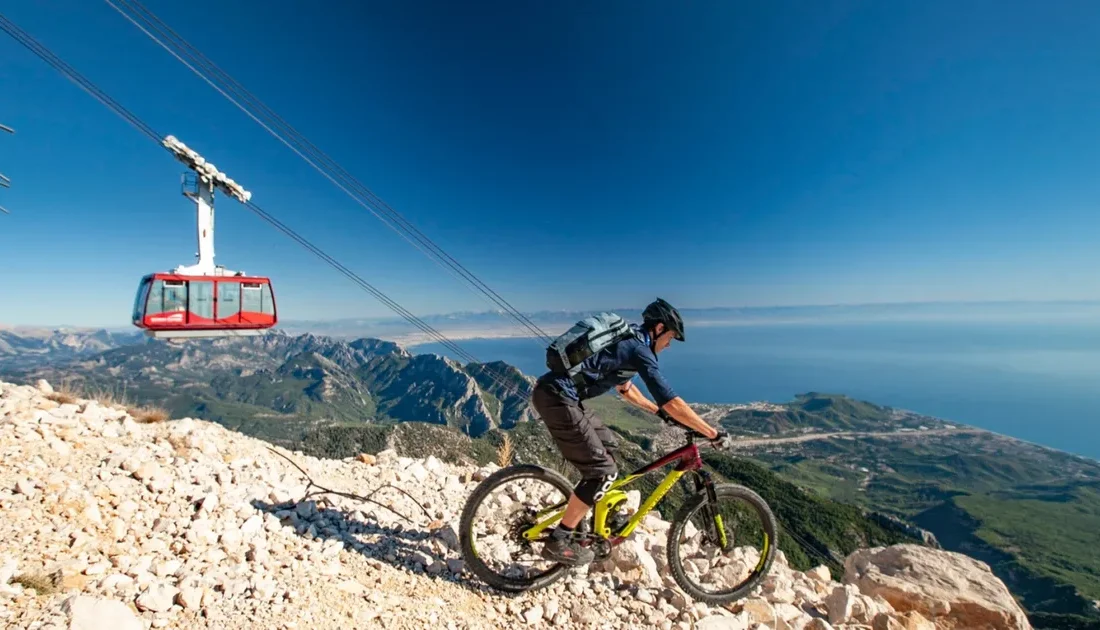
(720, 623)
(846, 604)
(157, 598)
(943, 586)
(820, 573)
(94, 613)
(632, 563)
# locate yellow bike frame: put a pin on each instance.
(688, 458)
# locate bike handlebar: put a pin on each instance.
(722, 441)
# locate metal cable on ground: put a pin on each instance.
(72, 74)
(350, 495)
(198, 59)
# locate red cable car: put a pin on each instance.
(203, 300)
(175, 305)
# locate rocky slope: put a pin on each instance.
(113, 524)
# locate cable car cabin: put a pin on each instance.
(172, 306)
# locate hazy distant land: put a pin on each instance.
(493, 325)
(498, 325)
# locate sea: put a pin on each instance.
(1034, 380)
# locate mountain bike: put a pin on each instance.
(513, 519)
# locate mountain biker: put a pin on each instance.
(583, 440)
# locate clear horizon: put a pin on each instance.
(753, 155)
(625, 311)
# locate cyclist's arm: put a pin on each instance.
(666, 398)
(634, 396)
(682, 413)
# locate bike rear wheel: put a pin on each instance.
(491, 528)
(728, 564)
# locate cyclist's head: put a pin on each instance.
(663, 323)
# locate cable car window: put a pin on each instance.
(229, 299)
(268, 304)
(174, 296)
(250, 297)
(139, 300)
(155, 305)
(201, 298)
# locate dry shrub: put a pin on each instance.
(504, 451)
(148, 414)
(62, 398)
(64, 394)
(111, 398)
(42, 583)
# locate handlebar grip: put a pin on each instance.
(663, 415)
(723, 441)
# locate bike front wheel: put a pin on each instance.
(711, 550)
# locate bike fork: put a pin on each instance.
(715, 527)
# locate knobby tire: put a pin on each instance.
(676, 563)
(469, 512)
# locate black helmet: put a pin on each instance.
(661, 311)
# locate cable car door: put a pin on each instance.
(229, 302)
(201, 302)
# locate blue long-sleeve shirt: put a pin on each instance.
(616, 365)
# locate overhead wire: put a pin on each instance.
(22, 37)
(58, 64)
(5, 181)
(181, 48)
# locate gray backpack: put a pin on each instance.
(587, 337)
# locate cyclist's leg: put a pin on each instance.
(599, 472)
(608, 438)
(574, 430)
(583, 441)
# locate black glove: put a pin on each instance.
(722, 440)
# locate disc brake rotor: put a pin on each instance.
(521, 523)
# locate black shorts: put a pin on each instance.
(583, 440)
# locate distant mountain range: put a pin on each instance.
(491, 324)
(288, 383)
(29, 347)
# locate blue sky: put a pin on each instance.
(572, 155)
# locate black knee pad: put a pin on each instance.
(592, 489)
